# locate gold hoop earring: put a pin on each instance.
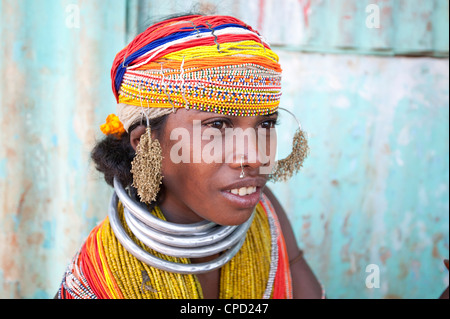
(146, 167)
(287, 167)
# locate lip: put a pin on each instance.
(259, 182)
(247, 201)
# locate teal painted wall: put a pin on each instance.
(374, 190)
(54, 92)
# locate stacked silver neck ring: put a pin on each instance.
(196, 240)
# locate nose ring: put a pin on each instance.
(242, 167)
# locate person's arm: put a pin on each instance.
(304, 282)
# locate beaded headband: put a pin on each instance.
(209, 63)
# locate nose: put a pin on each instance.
(248, 156)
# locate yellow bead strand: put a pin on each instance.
(245, 276)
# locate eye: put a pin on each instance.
(268, 124)
(218, 124)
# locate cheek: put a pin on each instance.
(191, 186)
(182, 177)
(269, 143)
(267, 149)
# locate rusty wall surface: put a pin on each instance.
(54, 92)
(374, 191)
(375, 27)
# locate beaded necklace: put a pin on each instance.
(242, 277)
(105, 269)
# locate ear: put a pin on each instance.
(135, 135)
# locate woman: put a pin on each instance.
(193, 140)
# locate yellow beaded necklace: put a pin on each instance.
(245, 276)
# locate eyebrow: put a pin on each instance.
(270, 115)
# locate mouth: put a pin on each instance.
(245, 193)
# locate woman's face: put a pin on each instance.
(204, 155)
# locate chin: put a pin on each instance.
(233, 217)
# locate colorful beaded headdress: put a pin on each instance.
(209, 63)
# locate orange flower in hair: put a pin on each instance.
(113, 126)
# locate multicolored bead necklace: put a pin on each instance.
(105, 269)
